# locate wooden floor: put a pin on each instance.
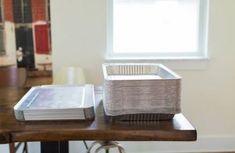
(35, 78)
(38, 81)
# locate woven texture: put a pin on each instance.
(140, 89)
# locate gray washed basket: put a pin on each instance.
(140, 91)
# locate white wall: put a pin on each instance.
(208, 100)
(78, 35)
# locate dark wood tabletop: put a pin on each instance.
(11, 130)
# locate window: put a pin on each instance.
(156, 29)
(22, 11)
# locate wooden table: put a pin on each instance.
(11, 130)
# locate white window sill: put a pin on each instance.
(176, 63)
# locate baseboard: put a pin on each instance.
(203, 144)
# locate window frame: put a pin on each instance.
(2, 52)
(202, 52)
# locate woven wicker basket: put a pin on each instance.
(140, 91)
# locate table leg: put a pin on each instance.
(55, 147)
(25, 149)
(12, 147)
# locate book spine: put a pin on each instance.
(19, 115)
(89, 113)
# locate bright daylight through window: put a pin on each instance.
(157, 29)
